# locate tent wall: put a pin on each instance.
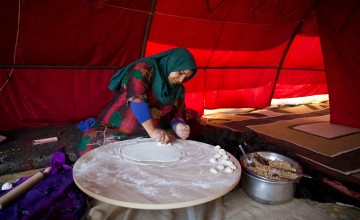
(339, 28)
(60, 55)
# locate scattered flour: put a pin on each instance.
(109, 173)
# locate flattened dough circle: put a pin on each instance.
(151, 152)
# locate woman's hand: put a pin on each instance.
(160, 136)
(157, 134)
(182, 130)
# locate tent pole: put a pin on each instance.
(280, 67)
(148, 24)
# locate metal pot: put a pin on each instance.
(265, 190)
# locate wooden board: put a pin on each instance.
(105, 174)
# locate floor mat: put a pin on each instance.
(286, 130)
(326, 129)
(343, 160)
(224, 115)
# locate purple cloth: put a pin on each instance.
(55, 197)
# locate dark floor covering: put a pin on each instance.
(17, 153)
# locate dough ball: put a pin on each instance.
(217, 147)
(232, 166)
(228, 163)
(222, 152)
(212, 160)
(228, 170)
(214, 171)
(217, 156)
(225, 157)
(220, 167)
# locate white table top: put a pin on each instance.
(105, 174)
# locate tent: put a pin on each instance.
(57, 56)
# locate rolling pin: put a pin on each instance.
(19, 190)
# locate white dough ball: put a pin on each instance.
(217, 156)
(232, 166)
(225, 157)
(213, 170)
(217, 147)
(228, 170)
(220, 167)
(228, 163)
(222, 152)
(212, 160)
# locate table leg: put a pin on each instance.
(190, 212)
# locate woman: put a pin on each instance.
(148, 100)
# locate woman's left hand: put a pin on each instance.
(182, 130)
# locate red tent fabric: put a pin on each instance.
(57, 57)
(339, 29)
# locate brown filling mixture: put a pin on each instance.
(271, 169)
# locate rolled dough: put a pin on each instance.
(151, 152)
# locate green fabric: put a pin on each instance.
(116, 119)
(163, 64)
(82, 145)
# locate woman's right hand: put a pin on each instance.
(160, 135)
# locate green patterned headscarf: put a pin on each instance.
(163, 64)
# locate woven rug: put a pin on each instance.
(326, 130)
(326, 142)
(227, 115)
(333, 147)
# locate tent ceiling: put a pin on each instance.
(61, 54)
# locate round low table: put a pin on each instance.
(107, 175)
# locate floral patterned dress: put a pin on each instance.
(117, 121)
